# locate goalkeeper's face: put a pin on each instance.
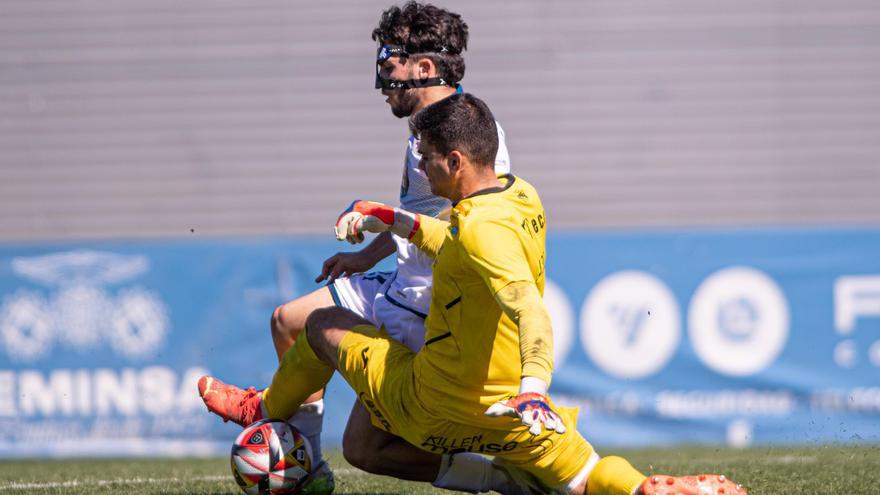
(440, 170)
(403, 102)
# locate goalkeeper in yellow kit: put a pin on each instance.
(480, 382)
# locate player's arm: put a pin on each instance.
(507, 273)
(522, 303)
(430, 235)
(349, 263)
(425, 232)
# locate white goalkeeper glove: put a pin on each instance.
(368, 216)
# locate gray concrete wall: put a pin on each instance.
(153, 117)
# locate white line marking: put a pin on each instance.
(120, 481)
(791, 459)
(138, 481)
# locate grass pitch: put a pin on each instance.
(763, 471)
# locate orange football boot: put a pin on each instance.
(231, 403)
(704, 484)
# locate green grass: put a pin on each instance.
(764, 471)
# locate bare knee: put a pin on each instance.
(288, 320)
(320, 326)
(320, 321)
(324, 320)
(280, 325)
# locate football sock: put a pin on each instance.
(469, 472)
(309, 420)
(299, 375)
(614, 476)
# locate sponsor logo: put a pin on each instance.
(157, 391)
(738, 321)
(855, 297)
(630, 324)
(444, 445)
(374, 410)
(81, 311)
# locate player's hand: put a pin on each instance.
(368, 216)
(344, 264)
(533, 409)
(363, 216)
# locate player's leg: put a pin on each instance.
(376, 451)
(703, 484)
(374, 363)
(309, 364)
(571, 466)
(325, 329)
(355, 293)
(551, 462)
(302, 372)
(289, 319)
(615, 476)
(287, 323)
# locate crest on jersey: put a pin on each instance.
(404, 181)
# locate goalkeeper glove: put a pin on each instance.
(533, 409)
(368, 216)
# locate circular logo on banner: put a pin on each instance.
(560, 316)
(738, 321)
(630, 324)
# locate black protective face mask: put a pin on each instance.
(384, 52)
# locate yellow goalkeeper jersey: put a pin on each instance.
(471, 357)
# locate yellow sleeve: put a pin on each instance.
(430, 236)
(522, 303)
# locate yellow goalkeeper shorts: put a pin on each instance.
(380, 370)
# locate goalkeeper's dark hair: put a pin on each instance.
(460, 122)
(425, 30)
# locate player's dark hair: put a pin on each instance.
(425, 30)
(460, 122)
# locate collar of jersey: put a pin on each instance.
(490, 190)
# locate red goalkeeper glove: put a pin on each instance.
(533, 409)
(368, 216)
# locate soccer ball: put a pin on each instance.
(271, 457)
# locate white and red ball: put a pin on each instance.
(271, 457)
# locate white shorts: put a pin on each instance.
(366, 295)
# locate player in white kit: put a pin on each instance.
(419, 62)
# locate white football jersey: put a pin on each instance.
(411, 288)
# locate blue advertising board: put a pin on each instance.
(735, 337)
